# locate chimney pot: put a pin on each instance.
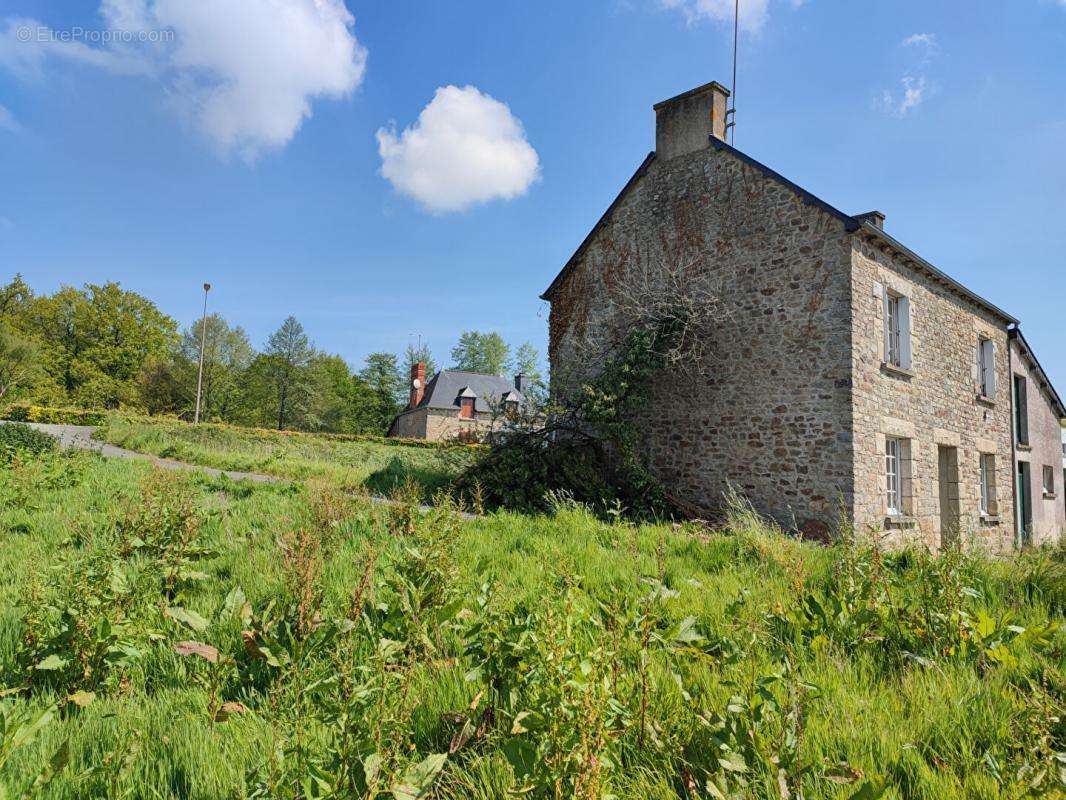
(519, 381)
(684, 124)
(418, 383)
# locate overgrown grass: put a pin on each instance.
(166, 635)
(378, 464)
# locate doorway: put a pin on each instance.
(948, 464)
(1025, 505)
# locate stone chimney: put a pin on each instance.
(875, 218)
(683, 124)
(520, 382)
(418, 383)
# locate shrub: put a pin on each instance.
(16, 439)
(23, 412)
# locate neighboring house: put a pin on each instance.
(456, 404)
(849, 375)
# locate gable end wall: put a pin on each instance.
(769, 410)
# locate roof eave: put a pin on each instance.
(909, 255)
(603, 218)
(1060, 407)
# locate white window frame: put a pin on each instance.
(894, 475)
(897, 314)
(988, 484)
(986, 361)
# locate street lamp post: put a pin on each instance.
(203, 344)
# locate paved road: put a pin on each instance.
(79, 437)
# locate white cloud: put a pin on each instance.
(927, 40)
(914, 87)
(913, 92)
(26, 45)
(244, 72)
(753, 13)
(8, 121)
(466, 148)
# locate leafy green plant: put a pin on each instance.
(22, 440)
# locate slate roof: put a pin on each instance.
(444, 388)
(851, 223)
(1045, 381)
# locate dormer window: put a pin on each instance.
(510, 404)
(466, 403)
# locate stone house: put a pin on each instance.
(848, 375)
(456, 404)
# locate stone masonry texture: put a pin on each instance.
(791, 404)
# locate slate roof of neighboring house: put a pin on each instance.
(444, 388)
(851, 223)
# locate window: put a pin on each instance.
(897, 330)
(897, 476)
(986, 361)
(988, 485)
(1021, 411)
(466, 407)
(1049, 481)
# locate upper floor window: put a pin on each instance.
(466, 407)
(897, 330)
(986, 361)
(1021, 411)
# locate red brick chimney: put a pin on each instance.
(418, 383)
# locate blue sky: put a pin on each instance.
(287, 162)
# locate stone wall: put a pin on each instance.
(438, 424)
(1045, 449)
(768, 411)
(934, 406)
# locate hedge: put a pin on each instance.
(23, 412)
(16, 439)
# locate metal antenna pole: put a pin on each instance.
(731, 114)
(203, 345)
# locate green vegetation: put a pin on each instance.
(376, 463)
(166, 635)
(25, 412)
(21, 440)
(103, 347)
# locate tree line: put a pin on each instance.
(101, 346)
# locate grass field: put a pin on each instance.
(376, 464)
(167, 635)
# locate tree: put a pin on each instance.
(288, 354)
(387, 386)
(19, 362)
(227, 355)
(486, 353)
(96, 340)
(415, 354)
(527, 361)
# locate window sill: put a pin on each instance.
(900, 521)
(1025, 448)
(1050, 495)
(892, 369)
(990, 519)
(985, 400)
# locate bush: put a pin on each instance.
(53, 416)
(18, 439)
